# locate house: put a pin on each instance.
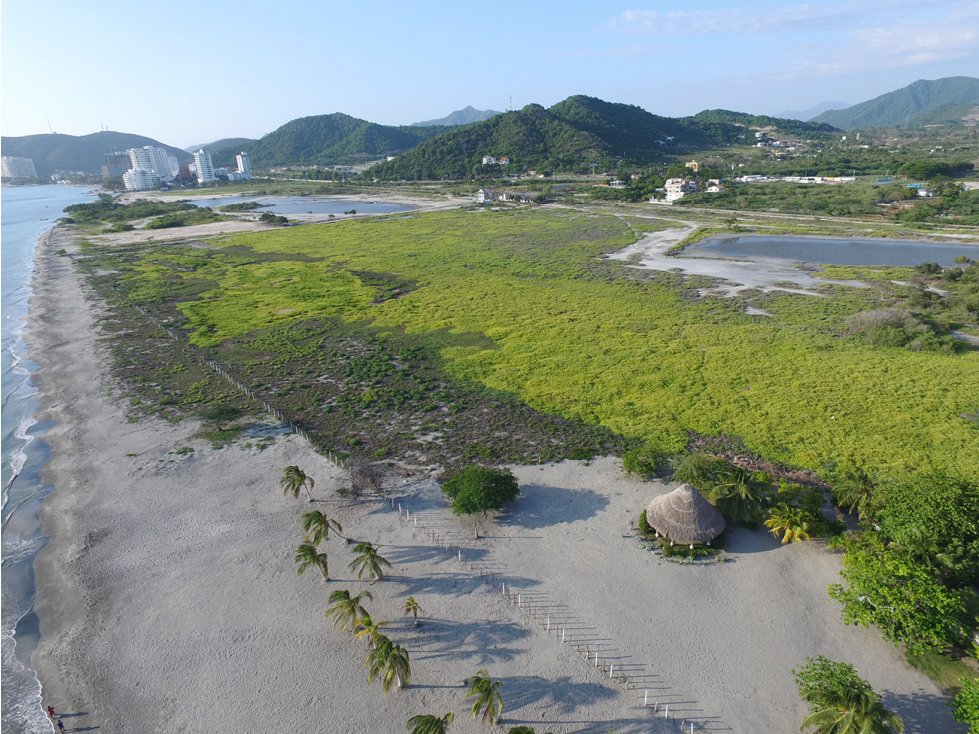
(617, 184)
(676, 188)
(485, 195)
(489, 160)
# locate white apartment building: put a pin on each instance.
(12, 166)
(675, 189)
(152, 159)
(139, 179)
(244, 167)
(204, 166)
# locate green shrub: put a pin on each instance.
(965, 705)
(645, 461)
(480, 489)
(645, 529)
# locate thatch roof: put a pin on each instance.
(684, 516)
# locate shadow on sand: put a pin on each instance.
(541, 506)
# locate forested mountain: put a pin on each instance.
(239, 143)
(572, 135)
(334, 139)
(764, 122)
(813, 112)
(924, 102)
(459, 117)
(54, 152)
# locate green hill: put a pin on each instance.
(334, 139)
(572, 135)
(924, 102)
(55, 152)
(764, 122)
(464, 116)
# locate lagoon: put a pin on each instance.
(835, 251)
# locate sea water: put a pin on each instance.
(26, 212)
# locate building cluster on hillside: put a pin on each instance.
(756, 178)
(488, 196)
(12, 166)
(150, 167)
(489, 160)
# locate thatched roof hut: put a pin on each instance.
(684, 516)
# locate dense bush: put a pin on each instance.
(480, 489)
(896, 327)
(965, 705)
(645, 461)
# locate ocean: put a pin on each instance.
(26, 212)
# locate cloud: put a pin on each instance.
(806, 16)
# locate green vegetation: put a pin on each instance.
(242, 206)
(185, 218)
(517, 309)
(487, 699)
(645, 461)
(294, 479)
(965, 706)
(368, 562)
(841, 702)
(914, 104)
(274, 219)
(480, 489)
(108, 210)
(430, 724)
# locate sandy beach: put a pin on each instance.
(169, 600)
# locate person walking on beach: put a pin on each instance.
(51, 712)
(61, 725)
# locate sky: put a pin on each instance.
(186, 72)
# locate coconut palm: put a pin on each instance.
(738, 493)
(788, 522)
(317, 526)
(854, 492)
(390, 662)
(306, 556)
(345, 610)
(412, 607)
(840, 702)
(370, 630)
(293, 479)
(368, 562)
(486, 693)
(430, 724)
(696, 468)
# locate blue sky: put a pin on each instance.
(190, 72)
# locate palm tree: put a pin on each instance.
(345, 609)
(307, 556)
(486, 693)
(317, 526)
(841, 702)
(369, 629)
(430, 724)
(390, 662)
(788, 522)
(696, 468)
(293, 479)
(855, 493)
(412, 607)
(738, 492)
(368, 562)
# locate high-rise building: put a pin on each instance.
(139, 179)
(244, 167)
(17, 167)
(116, 163)
(152, 159)
(205, 169)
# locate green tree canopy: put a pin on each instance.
(480, 489)
(841, 702)
(897, 595)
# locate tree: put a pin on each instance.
(370, 630)
(345, 610)
(368, 562)
(430, 724)
(739, 492)
(480, 489)
(697, 468)
(965, 705)
(390, 662)
(645, 461)
(854, 492)
(293, 479)
(788, 522)
(841, 702)
(317, 526)
(900, 597)
(306, 556)
(412, 607)
(486, 696)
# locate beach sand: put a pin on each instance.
(169, 601)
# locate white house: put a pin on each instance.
(675, 188)
(484, 195)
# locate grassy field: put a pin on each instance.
(376, 331)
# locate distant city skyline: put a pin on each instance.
(242, 69)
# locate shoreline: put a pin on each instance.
(168, 599)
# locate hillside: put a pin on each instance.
(764, 122)
(323, 140)
(55, 152)
(465, 116)
(814, 111)
(946, 100)
(573, 134)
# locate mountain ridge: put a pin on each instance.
(922, 102)
(59, 152)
